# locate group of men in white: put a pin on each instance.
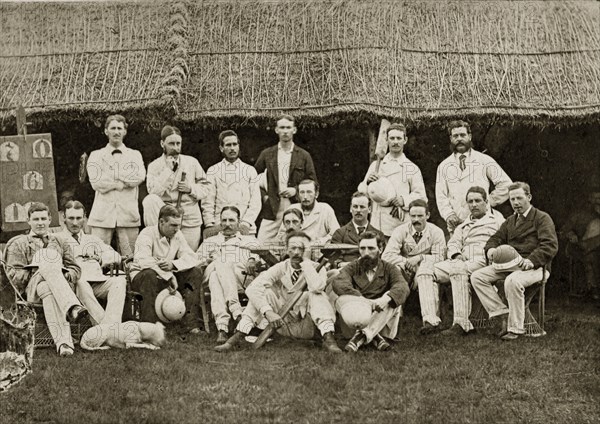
(397, 248)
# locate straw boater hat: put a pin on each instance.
(169, 307)
(355, 310)
(382, 191)
(91, 271)
(506, 257)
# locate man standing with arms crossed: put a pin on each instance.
(286, 165)
(115, 172)
(166, 184)
(233, 183)
(464, 168)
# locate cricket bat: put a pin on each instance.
(180, 193)
(269, 330)
(381, 146)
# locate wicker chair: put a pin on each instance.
(533, 327)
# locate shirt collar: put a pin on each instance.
(111, 149)
(178, 158)
(467, 154)
(412, 229)
(488, 214)
(400, 159)
(235, 163)
(315, 209)
(32, 234)
(280, 148)
(237, 235)
(527, 211)
(356, 226)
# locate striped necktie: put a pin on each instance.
(462, 159)
(296, 275)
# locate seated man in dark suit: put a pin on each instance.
(360, 208)
(531, 232)
(379, 285)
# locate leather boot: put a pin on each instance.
(330, 344)
(503, 319)
(222, 337)
(233, 341)
(356, 342)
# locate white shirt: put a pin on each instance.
(284, 158)
(232, 184)
(115, 208)
(162, 181)
(152, 245)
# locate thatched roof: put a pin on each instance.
(251, 60)
(64, 60)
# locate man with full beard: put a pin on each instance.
(465, 168)
(319, 221)
(378, 282)
(166, 183)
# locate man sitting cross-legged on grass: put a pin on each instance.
(269, 292)
(465, 253)
(381, 283)
(43, 266)
(227, 261)
(415, 247)
(531, 232)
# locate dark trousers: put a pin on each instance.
(148, 284)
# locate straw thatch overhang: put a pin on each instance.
(80, 61)
(245, 62)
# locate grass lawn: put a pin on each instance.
(433, 379)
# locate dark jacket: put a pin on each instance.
(387, 278)
(348, 234)
(301, 167)
(535, 238)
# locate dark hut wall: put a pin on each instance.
(560, 164)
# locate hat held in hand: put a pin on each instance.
(382, 191)
(506, 257)
(356, 311)
(169, 307)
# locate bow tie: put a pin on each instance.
(116, 151)
(45, 239)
